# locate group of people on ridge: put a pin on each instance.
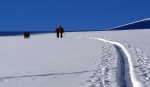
(60, 31)
(26, 35)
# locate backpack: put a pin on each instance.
(61, 30)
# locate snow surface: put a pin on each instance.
(80, 59)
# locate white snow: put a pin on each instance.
(80, 59)
(134, 80)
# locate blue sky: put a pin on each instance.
(72, 15)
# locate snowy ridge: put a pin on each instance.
(147, 19)
(134, 80)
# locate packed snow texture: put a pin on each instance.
(80, 59)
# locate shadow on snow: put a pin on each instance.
(123, 76)
(44, 75)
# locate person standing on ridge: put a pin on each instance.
(61, 30)
(57, 32)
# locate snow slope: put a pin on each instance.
(80, 59)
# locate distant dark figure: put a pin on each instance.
(59, 30)
(26, 35)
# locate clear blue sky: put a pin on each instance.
(47, 15)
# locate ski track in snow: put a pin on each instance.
(124, 79)
(133, 78)
(125, 59)
(125, 74)
(142, 65)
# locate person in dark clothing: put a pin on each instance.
(26, 35)
(59, 30)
